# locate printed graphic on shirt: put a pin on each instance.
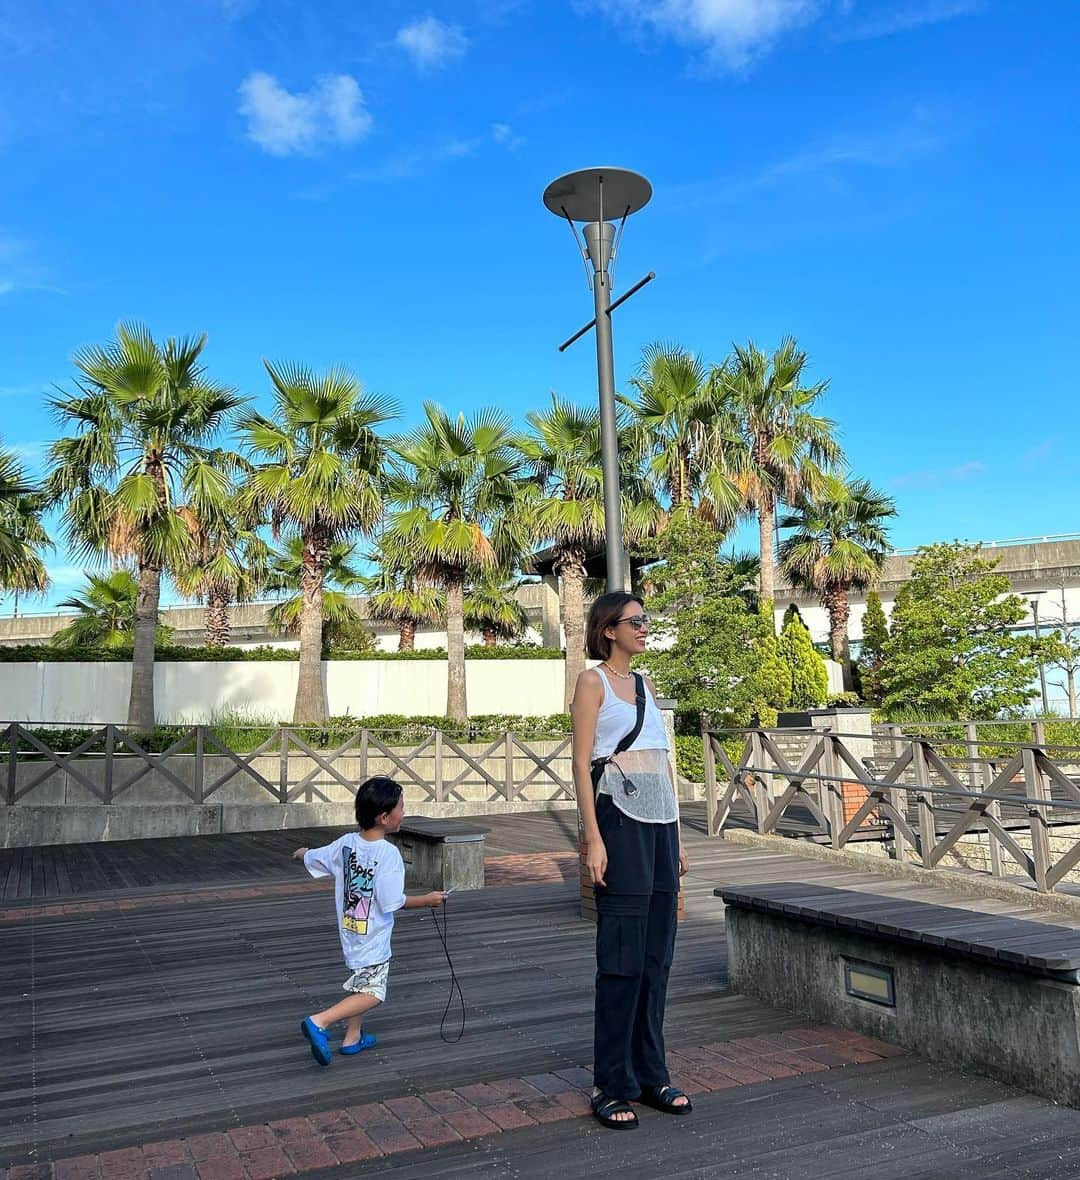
(359, 887)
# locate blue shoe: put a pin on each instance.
(367, 1041)
(320, 1047)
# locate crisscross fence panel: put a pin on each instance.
(935, 803)
(108, 764)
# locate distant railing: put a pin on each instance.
(1020, 807)
(1000, 544)
(288, 765)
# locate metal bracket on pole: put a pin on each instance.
(622, 299)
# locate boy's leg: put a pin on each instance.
(351, 1008)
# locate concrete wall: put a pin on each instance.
(197, 691)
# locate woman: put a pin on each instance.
(630, 823)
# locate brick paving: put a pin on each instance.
(414, 1122)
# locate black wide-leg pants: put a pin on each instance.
(635, 944)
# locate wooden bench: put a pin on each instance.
(441, 853)
(998, 994)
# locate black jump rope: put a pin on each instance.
(440, 930)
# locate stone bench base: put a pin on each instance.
(1011, 1024)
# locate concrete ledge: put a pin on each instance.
(34, 825)
(972, 884)
(1017, 1028)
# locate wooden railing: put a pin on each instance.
(1022, 805)
(287, 766)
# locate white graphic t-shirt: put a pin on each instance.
(369, 886)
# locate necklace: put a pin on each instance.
(616, 672)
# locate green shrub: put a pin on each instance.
(844, 700)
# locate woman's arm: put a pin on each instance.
(588, 696)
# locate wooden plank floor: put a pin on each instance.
(125, 1026)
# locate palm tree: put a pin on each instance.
(230, 560)
(787, 449)
(492, 609)
(106, 614)
(21, 531)
(684, 426)
(320, 477)
(398, 595)
(566, 506)
(839, 545)
(456, 487)
(285, 575)
(144, 416)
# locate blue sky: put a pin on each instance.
(894, 182)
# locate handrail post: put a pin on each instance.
(440, 789)
(363, 755)
(110, 758)
(13, 761)
(1035, 787)
(508, 766)
(761, 796)
(924, 800)
(834, 803)
(982, 775)
(199, 783)
(283, 766)
(711, 802)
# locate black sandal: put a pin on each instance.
(663, 1098)
(604, 1108)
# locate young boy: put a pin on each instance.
(369, 887)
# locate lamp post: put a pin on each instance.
(591, 196)
(1033, 602)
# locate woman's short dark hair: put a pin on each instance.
(606, 612)
(377, 795)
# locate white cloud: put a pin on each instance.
(283, 123)
(909, 17)
(432, 44)
(504, 134)
(935, 478)
(730, 32)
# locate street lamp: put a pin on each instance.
(591, 196)
(1033, 602)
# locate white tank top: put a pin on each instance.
(616, 719)
(638, 780)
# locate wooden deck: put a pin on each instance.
(150, 1022)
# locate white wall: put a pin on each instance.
(198, 691)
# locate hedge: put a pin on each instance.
(390, 728)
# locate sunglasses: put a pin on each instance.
(636, 621)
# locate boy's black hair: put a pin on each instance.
(377, 795)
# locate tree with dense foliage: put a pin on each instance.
(807, 676)
(839, 544)
(455, 487)
(143, 417)
(716, 653)
(22, 535)
(397, 594)
(787, 449)
(106, 615)
(875, 629)
(286, 574)
(566, 506)
(685, 429)
(317, 475)
(953, 651)
(492, 609)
